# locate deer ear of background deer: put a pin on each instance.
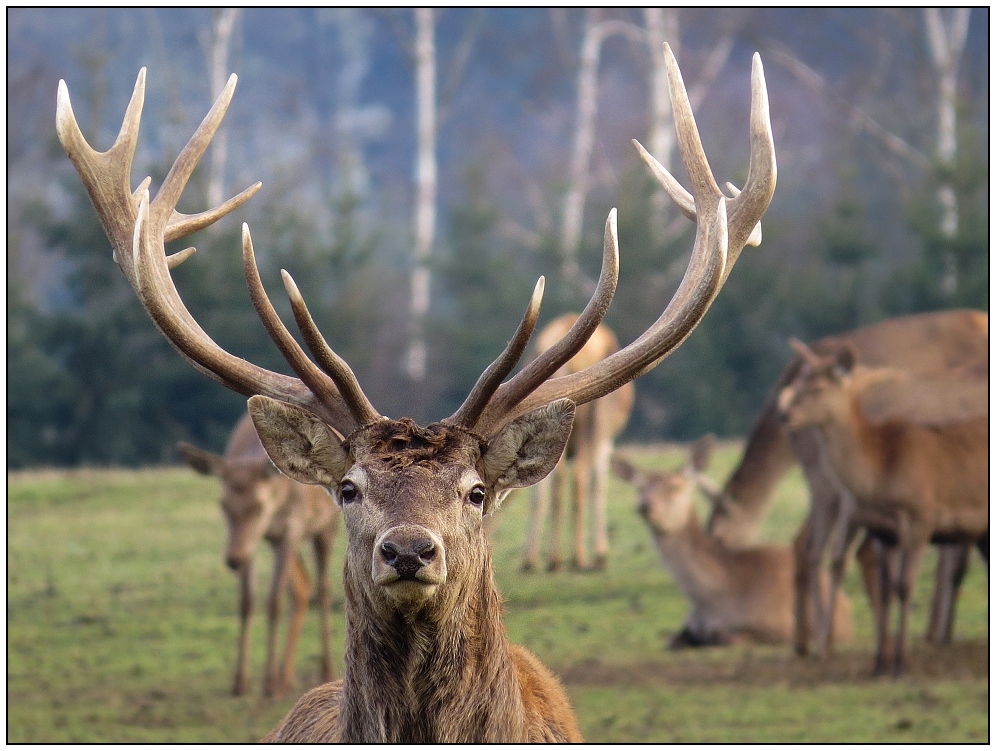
(200, 460)
(528, 448)
(301, 446)
(845, 359)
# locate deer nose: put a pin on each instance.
(233, 563)
(408, 558)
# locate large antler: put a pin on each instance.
(139, 229)
(725, 225)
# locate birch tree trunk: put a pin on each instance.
(946, 43)
(661, 26)
(222, 25)
(584, 141)
(425, 190)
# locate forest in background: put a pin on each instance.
(881, 124)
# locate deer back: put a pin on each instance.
(927, 342)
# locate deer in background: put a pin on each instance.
(911, 450)
(258, 502)
(596, 426)
(738, 595)
(427, 658)
(927, 342)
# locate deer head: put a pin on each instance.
(413, 496)
(818, 392)
(252, 491)
(665, 496)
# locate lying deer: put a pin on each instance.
(928, 342)
(738, 595)
(427, 658)
(596, 426)
(912, 452)
(259, 502)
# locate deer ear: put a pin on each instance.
(303, 447)
(200, 460)
(528, 448)
(845, 359)
(701, 452)
(623, 469)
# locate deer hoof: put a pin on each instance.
(601, 562)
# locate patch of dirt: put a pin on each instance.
(743, 666)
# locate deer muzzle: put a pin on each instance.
(409, 557)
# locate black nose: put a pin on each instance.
(408, 559)
(233, 563)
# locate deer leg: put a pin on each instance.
(600, 497)
(300, 590)
(246, 606)
(846, 531)
(800, 600)
(323, 551)
(869, 557)
(912, 546)
(557, 511)
(538, 510)
(886, 563)
(281, 574)
(952, 563)
(582, 505)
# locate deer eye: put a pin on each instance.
(348, 492)
(477, 495)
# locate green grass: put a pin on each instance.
(121, 627)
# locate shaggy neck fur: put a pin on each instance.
(440, 675)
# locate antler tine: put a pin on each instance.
(698, 288)
(747, 208)
(138, 229)
(321, 385)
(548, 362)
(491, 378)
(106, 175)
(719, 238)
(327, 359)
(154, 287)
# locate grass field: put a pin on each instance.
(121, 627)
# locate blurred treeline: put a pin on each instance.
(325, 116)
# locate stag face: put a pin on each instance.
(413, 498)
(413, 502)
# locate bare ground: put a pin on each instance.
(767, 667)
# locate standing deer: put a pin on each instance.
(738, 595)
(427, 658)
(259, 502)
(912, 452)
(596, 426)
(928, 342)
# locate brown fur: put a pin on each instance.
(738, 595)
(596, 426)
(911, 478)
(259, 503)
(930, 343)
(427, 660)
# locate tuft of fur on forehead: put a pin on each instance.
(403, 443)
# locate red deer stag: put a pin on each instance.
(912, 453)
(259, 502)
(596, 426)
(427, 658)
(928, 342)
(738, 595)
